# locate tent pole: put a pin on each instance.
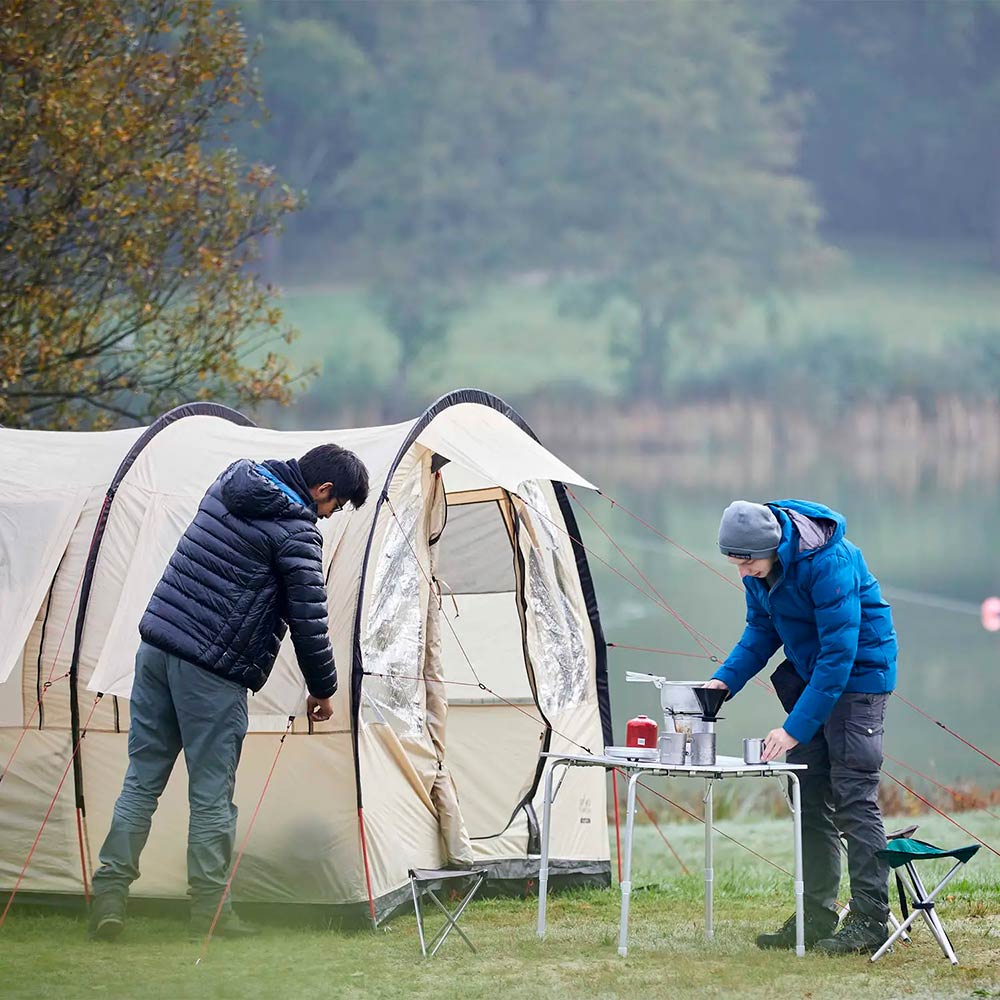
(83, 859)
(364, 858)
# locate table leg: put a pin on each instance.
(800, 926)
(627, 864)
(543, 865)
(709, 861)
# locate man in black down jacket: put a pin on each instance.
(248, 567)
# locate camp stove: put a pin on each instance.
(689, 707)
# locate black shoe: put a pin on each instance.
(107, 917)
(229, 926)
(816, 928)
(858, 935)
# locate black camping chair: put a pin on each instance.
(426, 882)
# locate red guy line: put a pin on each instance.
(666, 538)
(652, 819)
(695, 634)
(659, 603)
(246, 837)
(701, 820)
(48, 812)
(951, 791)
(27, 725)
(666, 652)
(941, 812)
(936, 722)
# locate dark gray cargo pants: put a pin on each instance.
(840, 793)
(177, 705)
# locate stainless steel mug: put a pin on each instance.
(672, 748)
(703, 748)
(753, 751)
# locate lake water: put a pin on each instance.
(930, 534)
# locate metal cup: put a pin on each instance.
(703, 748)
(672, 747)
(753, 751)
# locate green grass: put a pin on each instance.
(515, 340)
(48, 956)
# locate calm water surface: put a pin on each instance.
(931, 537)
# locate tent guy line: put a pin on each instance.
(464, 652)
(31, 719)
(615, 503)
(480, 684)
(658, 601)
(694, 633)
(243, 845)
(757, 680)
(954, 792)
(489, 449)
(940, 812)
(48, 812)
(902, 594)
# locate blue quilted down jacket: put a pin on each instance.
(826, 609)
(248, 568)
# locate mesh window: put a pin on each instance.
(476, 556)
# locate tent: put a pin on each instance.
(456, 593)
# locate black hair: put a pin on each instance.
(329, 463)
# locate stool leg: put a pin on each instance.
(452, 921)
(930, 915)
(896, 934)
(420, 923)
(895, 926)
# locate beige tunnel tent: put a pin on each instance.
(464, 625)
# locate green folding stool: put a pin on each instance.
(902, 853)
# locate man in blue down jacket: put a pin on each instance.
(808, 589)
(248, 567)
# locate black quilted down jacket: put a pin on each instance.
(248, 566)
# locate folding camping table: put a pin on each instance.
(724, 767)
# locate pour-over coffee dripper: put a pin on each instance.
(688, 706)
(711, 700)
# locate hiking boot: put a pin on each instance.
(858, 935)
(816, 928)
(229, 926)
(107, 917)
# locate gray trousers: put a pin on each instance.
(840, 795)
(176, 705)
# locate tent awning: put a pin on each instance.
(493, 447)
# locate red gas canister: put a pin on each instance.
(640, 732)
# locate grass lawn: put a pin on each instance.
(515, 340)
(48, 956)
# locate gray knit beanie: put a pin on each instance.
(748, 531)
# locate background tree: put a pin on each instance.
(427, 187)
(314, 62)
(670, 183)
(127, 223)
(901, 138)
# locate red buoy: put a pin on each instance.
(990, 612)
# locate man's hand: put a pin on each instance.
(776, 743)
(319, 709)
(716, 683)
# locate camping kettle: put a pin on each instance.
(641, 732)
